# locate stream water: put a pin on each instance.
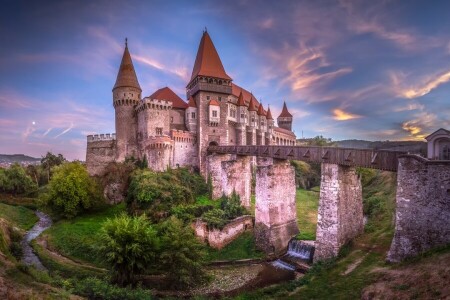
(29, 257)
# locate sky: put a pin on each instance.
(373, 70)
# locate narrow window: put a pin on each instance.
(207, 97)
(214, 113)
(193, 115)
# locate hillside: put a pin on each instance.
(12, 158)
(407, 146)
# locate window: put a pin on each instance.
(220, 98)
(214, 113)
(171, 119)
(158, 131)
(242, 116)
(193, 115)
(207, 97)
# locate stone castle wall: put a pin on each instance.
(101, 150)
(184, 149)
(153, 114)
(275, 212)
(340, 215)
(422, 217)
(217, 238)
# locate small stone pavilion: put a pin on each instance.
(439, 145)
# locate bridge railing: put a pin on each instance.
(367, 158)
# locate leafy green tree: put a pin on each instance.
(231, 206)
(321, 141)
(215, 218)
(182, 254)
(51, 160)
(129, 246)
(15, 180)
(71, 190)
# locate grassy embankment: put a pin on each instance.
(22, 217)
(359, 263)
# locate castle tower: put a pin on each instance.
(242, 116)
(252, 122)
(191, 115)
(262, 126)
(284, 120)
(126, 95)
(209, 82)
(270, 124)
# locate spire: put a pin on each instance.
(261, 110)
(126, 76)
(208, 62)
(269, 114)
(285, 113)
(191, 102)
(252, 104)
(241, 101)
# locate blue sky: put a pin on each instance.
(375, 70)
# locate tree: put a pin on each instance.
(232, 206)
(71, 190)
(50, 160)
(15, 180)
(321, 141)
(129, 246)
(182, 254)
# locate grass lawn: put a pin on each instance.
(76, 238)
(205, 200)
(307, 206)
(241, 248)
(21, 216)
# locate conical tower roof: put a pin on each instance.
(285, 113)
(252, 104)
(191, 102)
(207, 62)
(261, 110)
(269, 114)
(241, 101)
(126, 76)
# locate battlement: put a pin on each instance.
(148, 103)
(125, 102)
(159, 142)
(183, 136)
(101, 137)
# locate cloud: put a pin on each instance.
(425, 88)
(65, 131)
(340, 115)
(419, 127)
(267, 23)
(47, 132)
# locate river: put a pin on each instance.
(29, 257)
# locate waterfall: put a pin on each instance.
(300, 249)
(279, 264)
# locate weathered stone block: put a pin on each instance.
(340, 216)
(422, 217)
(275, 212)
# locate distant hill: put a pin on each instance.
(12, 158)
(407, 146)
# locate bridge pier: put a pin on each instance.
(422, 207)
(340, 215)
(229, 173)
(275, 212)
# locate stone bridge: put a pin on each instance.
(422, 201)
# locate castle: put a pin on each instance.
(170, 132)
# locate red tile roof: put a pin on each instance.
(191, 102)
(252, 104)
(126, 76)
(285, 113)
(269, 114)
(167, 94)
(261, 111)
(241, 101)
(214, 102)
(207, 62)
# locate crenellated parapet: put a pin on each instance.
(181, 136)
(125, 102)
(101, 137)
(153, 104)
(159, 142)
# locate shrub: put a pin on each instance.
(182, 255)
(129, 245)
(15, 180)
(231, 206)
(71, 190)
(191, 211)
(94, 288)
(15, 248)
(215, 218)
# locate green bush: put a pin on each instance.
(182, 255)
(94, 288)
(215, 218)
(156, 193)
(15, 248)
(232, 207)
(129, 246)
(16, 181)
(189, 212)
(71, 190)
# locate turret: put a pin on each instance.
(191, 115)
(270, 124)
(126, 95)
(284, 120)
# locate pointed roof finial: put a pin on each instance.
(206, 29)
(126, 77)
(126, 42)
(284, 112)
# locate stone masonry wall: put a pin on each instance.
(422, 217)
(98, 155)
(275, 212)
(214, 173)
(340, 216)
(220, 238)
(237, 176)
